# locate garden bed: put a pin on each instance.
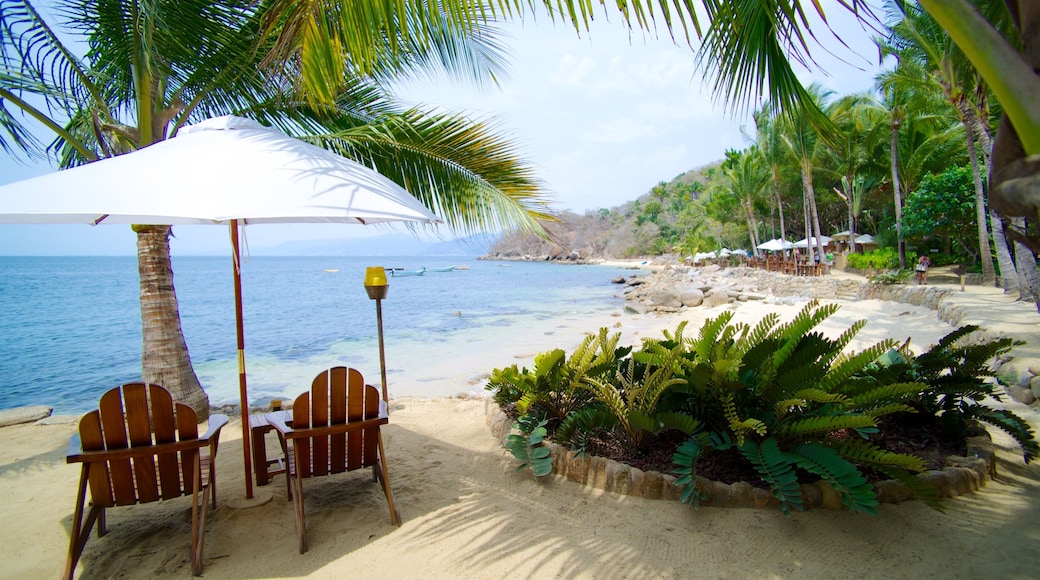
(960, 476)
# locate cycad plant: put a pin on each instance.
(555, 387)
(958, 379)
(628, 403)
(777, 394)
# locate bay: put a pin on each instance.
(70, 326)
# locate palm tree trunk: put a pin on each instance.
(779, 203)
(1028, 274)
(814, 216)
(972, 118)
(985, 253)
(164, 356)
(1009, 276)
(897, 194)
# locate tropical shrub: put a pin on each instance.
(556, 386)
(957, 380)
(527, 444)
(782, 396)
(627, 403)
(880, 259)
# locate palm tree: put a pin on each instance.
(770, 146)
(916, 36)
(149, 69)
(851, 154)
(805, 143)
(746, 178)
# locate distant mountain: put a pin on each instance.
(386, 245)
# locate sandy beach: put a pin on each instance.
(468, 514)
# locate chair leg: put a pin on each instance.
(384, 476)
(213, 479)
(298, 508)
(80, 528)
(198, 521)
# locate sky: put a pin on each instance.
(602, 119)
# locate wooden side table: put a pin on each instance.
(264, 469)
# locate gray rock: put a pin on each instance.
(692, 297)
(668, 297)
(20, 415)
(1034, 385)
(1022, 395)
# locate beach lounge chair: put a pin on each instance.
(139, 447)
(334, 428)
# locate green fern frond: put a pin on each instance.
(685, 459)
(579, 425)
(819, 425)
(818, 395)
(776, 470)
(864, 453)
(792, 333)
(856, 492)
(678, 422)
(760, 332)
(885, 394)
(709, 334)
(846, 366)
(889, 409)
(525, 402)
(846, 337)
(1015, 426)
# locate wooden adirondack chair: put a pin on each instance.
(335, 428)
(139, 447)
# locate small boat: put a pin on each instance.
(462, 267)
(331, 270)
(394, 272)
(442, 269)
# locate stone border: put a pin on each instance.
(962, 475)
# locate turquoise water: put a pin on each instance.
(70, 326)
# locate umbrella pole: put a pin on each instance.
(242, 391)
(382, 353)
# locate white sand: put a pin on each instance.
(468, 514)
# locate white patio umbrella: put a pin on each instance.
(775, 245)
(806, 242)
(223, 171)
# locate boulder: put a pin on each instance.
(20, 415)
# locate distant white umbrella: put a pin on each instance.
(806, 242)
(775, 245)
(222, 171)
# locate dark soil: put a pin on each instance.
(913, 434)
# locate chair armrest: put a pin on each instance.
(279, 420)
(77, 455)
(75, 445)
(216, 422)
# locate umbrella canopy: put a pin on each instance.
(806, 242)
(775, 245)
(226, 170)
(865, 240)
(213, 172)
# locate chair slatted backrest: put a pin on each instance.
(337, 397)
(133, 416)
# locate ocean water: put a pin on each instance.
(70, 326)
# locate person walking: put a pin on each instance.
(922, 269)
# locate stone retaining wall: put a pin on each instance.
(962, 475)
